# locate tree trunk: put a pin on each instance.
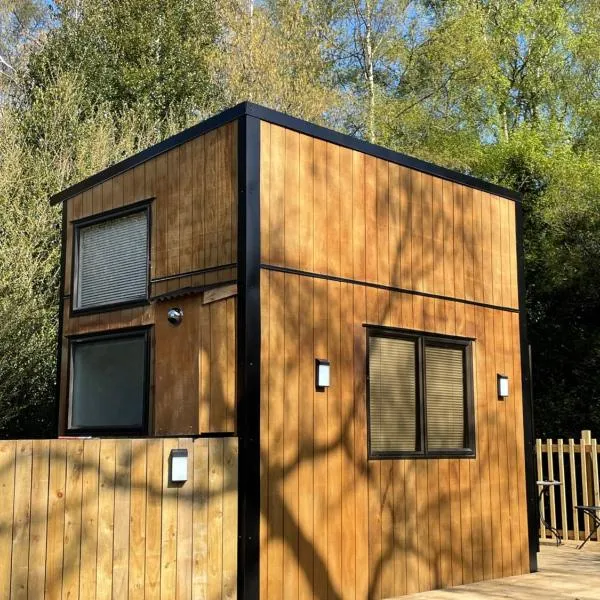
(368, 53)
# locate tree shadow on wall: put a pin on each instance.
(429, 524)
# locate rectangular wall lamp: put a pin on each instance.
(179, 465)
(502, 387)
(322, 374)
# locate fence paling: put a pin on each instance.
(573, 489)
(595, 473)
(552, 495)
(563, 488)
(584, 483)
(540, 470)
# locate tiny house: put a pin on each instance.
(354, 316)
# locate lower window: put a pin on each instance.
(420, 395)
(109, 383)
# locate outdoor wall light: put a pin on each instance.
(179, 465)
(322, 374)
(175, 316)
(502, 387)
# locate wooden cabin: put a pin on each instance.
(354, 316)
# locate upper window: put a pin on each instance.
(112, 261)
(420, 396)
(109, 382)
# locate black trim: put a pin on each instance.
(248, 357)
(113, 334)
(382, 286)
(417, 332)
(104, 308)
(354, 143)
(118, 211)
(103, 332)
(209, 124)
(193, 273)
(262, 113)
(421, 341)
(109, 215)
(528, 422)
(188, 291)
(58, 426)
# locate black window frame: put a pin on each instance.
(421, 340)
(104, 430)
(105, 217)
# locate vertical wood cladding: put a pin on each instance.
(336, 211)
(194, 227)
(100, 519)
(326, 510)
(334, 524)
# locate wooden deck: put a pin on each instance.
(564, 573)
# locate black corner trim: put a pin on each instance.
(57, 425)
(248, 357)
(277, 118)
(528, 423)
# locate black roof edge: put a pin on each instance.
(214, 122)
(348, 141)
(295, 124)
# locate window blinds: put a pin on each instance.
(444, 382)
(392, 395)
(113, 261)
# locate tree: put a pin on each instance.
(531, 120)
(147, 55)
(23, 24)
(508, 91)
(272, 53)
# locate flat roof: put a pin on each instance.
(299, 125)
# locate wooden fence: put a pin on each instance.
(96, 519)
(575, 466)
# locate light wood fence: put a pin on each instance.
(575, 466)
(99, 519)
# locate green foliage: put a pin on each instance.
(272, 53)
(509, 91)
(149, 55)
(52, 144)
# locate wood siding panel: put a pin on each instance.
(103, 497)
(379, 529)
(421, 233)
(413, 524)
(194, 364)
(193, 189)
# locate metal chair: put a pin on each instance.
(545, 490)
(593, 513)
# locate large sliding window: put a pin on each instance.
(420, 395)
(109, 382)
(111, 260)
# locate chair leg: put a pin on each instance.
(592, 532)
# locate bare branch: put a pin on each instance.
(5, 63)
